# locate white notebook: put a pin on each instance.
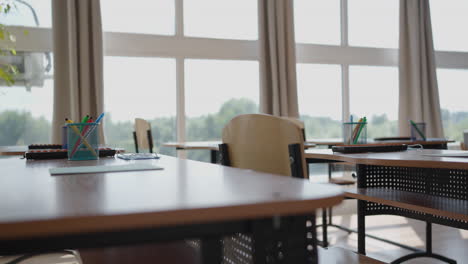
(104, 168)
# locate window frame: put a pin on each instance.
(346, 55)
(183, 47)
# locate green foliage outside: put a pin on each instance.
(20, 128)
(7, 41)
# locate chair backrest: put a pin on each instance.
(465, 139)
(262, 142)
(142, 136)
(298, 123)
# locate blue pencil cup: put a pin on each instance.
(354, 133)
(418, 131)
(83, 141)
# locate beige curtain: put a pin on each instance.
(278, 91)
(78, 59)
(419, 94)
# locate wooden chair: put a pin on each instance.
(464, 145)
(337, 180)
(262, 143)
(268, 144)
(298, 123)
(142, 136)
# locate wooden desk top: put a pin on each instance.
(33, 203)
(409, 158)
(13, 150)
(209, 145)
(339, 142)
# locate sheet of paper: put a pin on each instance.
(453, 154)
(137, 156)
(104, 168)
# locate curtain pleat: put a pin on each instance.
(78, 62)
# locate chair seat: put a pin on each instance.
(337, 255)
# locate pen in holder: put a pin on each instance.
(83, 141)
(355, 132)
(418, 131)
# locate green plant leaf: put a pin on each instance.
(13, 51)
(7, 77)
(25, 32)
(12, 69)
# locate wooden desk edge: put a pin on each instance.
(409, 206)
(388, 162)
(87, 224)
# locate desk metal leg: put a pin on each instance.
(211, 250)
(214, 156)
(289, 239)
(361, 218)
(324, 228)
(361, 210)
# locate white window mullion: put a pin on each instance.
(180, 86)
(344, 67)
(344, 23)
(345, 92)
(179, 17)
(180, 77)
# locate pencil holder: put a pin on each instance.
(418, 131)
(354, 133)
(83, 141)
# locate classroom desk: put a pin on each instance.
(13, 150)
(212, 146)
(430, 143)
(407, 183)
(185, 200)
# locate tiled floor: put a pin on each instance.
(447, 241)
(52, 258)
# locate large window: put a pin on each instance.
(453, 101)
(144, 88)
(374, 94)
(221, 19)
(214, 99)
(373, 23)
(452, 62)
(29, 13)
(353, 70)
(139, 16)
(26, 107)
(317, 21)
(320, 99)
(187, 66)
(446, 17)
(176, 51)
